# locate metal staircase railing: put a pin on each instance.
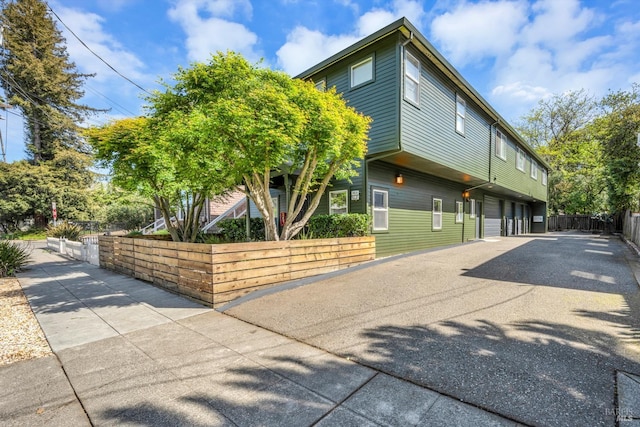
(158, 224)
(236, 211)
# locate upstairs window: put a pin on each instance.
(338, 202)
(411, 79)
(544, 177)
(437, 214)
(321, 85)
(362, 72)
(520, 159)
(461, 113)
(380, 210)
(501, 145)
(534, 169)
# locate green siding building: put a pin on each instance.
(442, 167)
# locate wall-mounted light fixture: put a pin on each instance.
(466, 193)
(399, 178)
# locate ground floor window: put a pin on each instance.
(437, 214)
(459, 212)
(380, 209)
(472, 208)
(338, 202)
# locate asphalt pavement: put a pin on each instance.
(128, 353)
(542, 329)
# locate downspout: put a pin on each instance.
(396, 150)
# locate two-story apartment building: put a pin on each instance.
(442, 166)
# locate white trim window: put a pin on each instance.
(411, 78)
(321, 85)
(459, 212)
(338, 202)
(472, 208)
(362, 72)
(520, 159)
(437, 214)
(544, 177)
(501, 145)
(380, 210)
(534, 169)
(461, 113)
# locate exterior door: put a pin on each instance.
(492, 217)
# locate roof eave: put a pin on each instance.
(405, 27)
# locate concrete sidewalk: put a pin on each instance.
(129, 353)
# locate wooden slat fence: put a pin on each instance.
(583, 223)
(217, 274)
(631, 228)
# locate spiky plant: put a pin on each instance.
(13, 258)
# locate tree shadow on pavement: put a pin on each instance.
(539, 373)
(596, 265)
(246, 394)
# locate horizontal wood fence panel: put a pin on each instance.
(217, 274)
(255, 282)
(252, 255)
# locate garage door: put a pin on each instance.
(492, 217)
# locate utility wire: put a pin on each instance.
(96, 55)
(114, 103)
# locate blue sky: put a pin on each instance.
(514, 52)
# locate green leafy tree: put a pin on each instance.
(165, 161)
(112, 205)
(228, 122)
(558, 128)
(619, 132)
(263, 122)
(26, 191)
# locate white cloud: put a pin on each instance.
(473, 31)
(88, 27)
(306, 47)
(522, 92)
(531, 50)
(208, 31)
(557, 22)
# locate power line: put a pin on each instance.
(96, 55)
(115, 104)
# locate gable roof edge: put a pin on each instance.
(404, 26)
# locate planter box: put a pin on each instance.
(217, 274)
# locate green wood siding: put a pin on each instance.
(429, 131)
(378, 99)
(509, 176)
(410, 211)
(357, 183)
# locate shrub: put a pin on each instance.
(13, 257)
(343, 225)
(66, 231)
(234, 230)
(130, 216)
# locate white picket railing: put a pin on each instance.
(86, 251)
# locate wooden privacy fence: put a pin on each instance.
(631, 228)
(584, 223)
(217, 274)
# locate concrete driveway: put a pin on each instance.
(535, 328)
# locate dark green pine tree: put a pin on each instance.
(40, 80)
